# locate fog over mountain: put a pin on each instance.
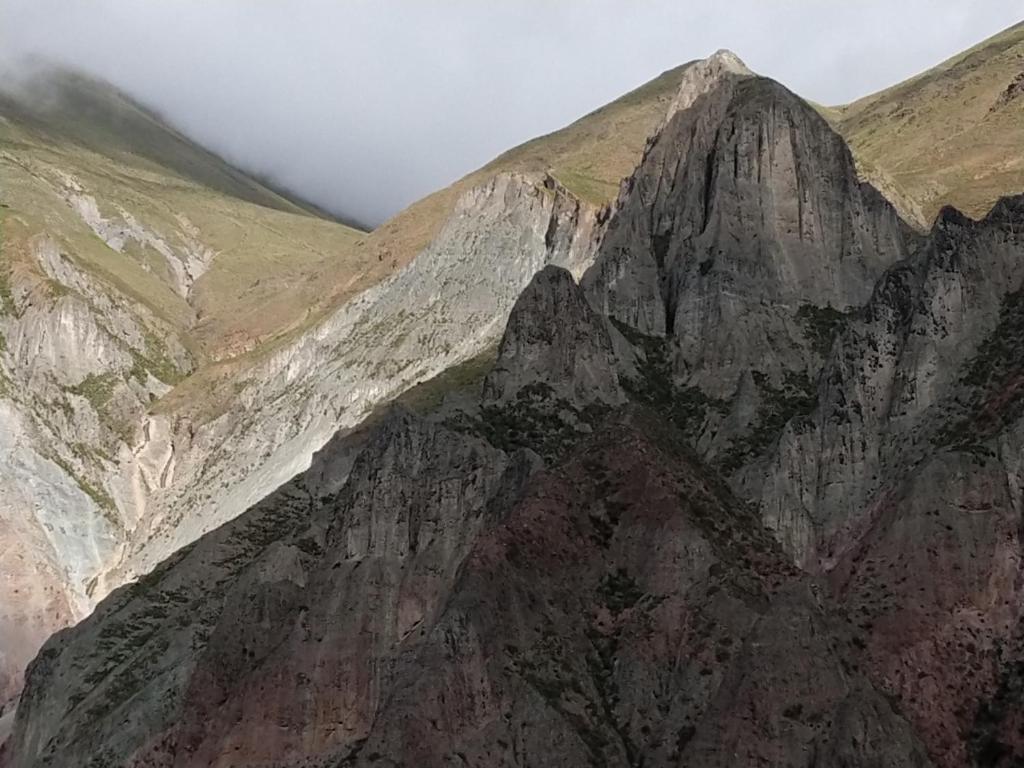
(363, 107)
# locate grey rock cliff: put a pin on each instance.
(556, 341)
(749, 200)
(76, 375)
(450, 600)
(190, 635)
(745, 229)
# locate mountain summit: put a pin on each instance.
(702, 76)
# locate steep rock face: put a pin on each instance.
(886, 455)
(449, 603)
(935, 585)
(77, 364)
(740, 248)
(907, 375)
(900, 480)
(904, 483)
(337, 579)
(745, 208)
(554, 340)
(896, 470)
(627, 631)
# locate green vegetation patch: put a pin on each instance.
(280, 518)
(994, 380)
(101, 498)
(6, 299)
(467, 376)
(538, 420)
(821, 325)
(999, 356)
(589, 188)
(6, 296)
(97, 389)
(986, 740)
(619, 591)
(688, 408)
(155, 361)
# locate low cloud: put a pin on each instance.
(364, 107)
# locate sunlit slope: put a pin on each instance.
(951, 135)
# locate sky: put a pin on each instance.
(364, 106)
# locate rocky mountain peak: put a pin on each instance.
(701, 76)
(746, 206)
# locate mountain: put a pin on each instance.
(949, 136)
(157, 303)
(741, 487)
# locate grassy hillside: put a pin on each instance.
(67, 109)
(951, 135)
(270, 261)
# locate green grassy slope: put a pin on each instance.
(951, 135)
(66, 108)
(271, 261)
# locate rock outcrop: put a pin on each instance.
(191, 634)
(745, 208)
(555, 342)
(76, 373)
(909, 374)
(451, 601)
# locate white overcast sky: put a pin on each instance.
(367, 105)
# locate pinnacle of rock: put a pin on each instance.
(728, 60)
(704, 75)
